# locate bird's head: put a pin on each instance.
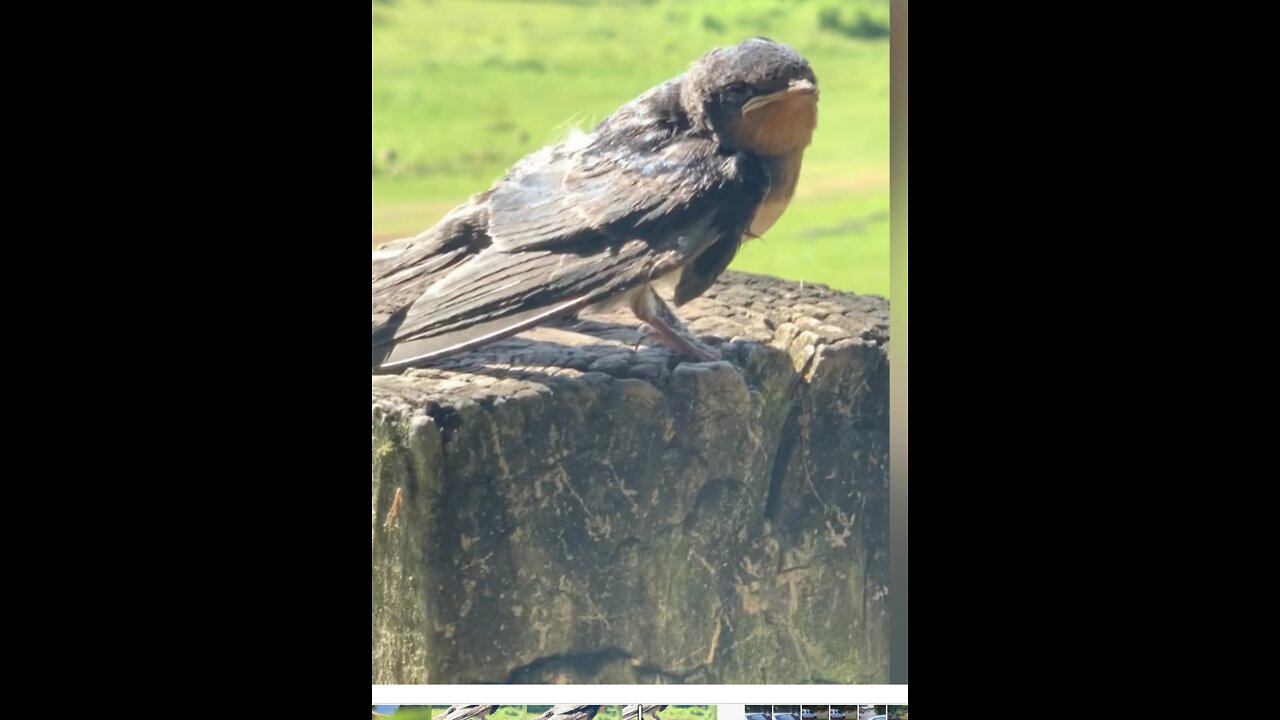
(759, 96)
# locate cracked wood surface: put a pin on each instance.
(576, 505)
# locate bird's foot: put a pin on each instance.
(684, 344)
(663, 326)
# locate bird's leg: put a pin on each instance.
(667, 327)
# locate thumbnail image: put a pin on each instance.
(671, 712)
(686, 712)
(404, 712)
(449, 712)
(786, 712)
(759, 712)
(897, 712)
(572, 712)
(476, 712)
(872, 712)
(815, 712)
(642, 712)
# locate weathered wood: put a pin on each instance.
(568, 507)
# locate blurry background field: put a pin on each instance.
(464, 88)
(689, 712)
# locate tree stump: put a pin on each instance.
(578, 505)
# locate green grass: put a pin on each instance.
(462, 89)
(689, 712)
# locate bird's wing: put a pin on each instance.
(631, 712)
(611, 180)
(567, 227)
(433, 254)
(465, 712)
(570, 712)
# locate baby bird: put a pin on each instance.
(664, 190)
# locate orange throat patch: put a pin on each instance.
(782, 126)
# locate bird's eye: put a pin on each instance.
(736, 92)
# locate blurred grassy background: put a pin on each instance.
(689, 712)
(462, 89)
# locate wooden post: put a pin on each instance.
(584, 507)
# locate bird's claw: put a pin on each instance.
(683, 344)
(704, 353)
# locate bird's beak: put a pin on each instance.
(797, 87)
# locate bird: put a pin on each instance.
(662, 192)
(639, 712)
(570, 712)
(466, 712)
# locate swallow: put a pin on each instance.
(570, 712)
(467, 712)
(661, 192)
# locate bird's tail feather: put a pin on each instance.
(407, 353)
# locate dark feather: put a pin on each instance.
(570, 225)
(466, 712)
(570, 712)
(699, 275)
